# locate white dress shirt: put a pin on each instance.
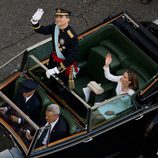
(47, 135)
(27, 98)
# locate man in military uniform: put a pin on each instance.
(62, 60)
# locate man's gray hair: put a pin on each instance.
(54, 108)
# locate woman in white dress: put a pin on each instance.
(127, 83)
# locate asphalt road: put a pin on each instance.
(17, 34)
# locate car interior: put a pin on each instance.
(92, 51)
(81, 116)
(125, 55)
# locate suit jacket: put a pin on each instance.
(59, 131)
(31, 108)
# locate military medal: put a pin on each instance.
(62, 41)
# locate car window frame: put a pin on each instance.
(106, 123)
(86, 106)
(26, 150)
(52, 145)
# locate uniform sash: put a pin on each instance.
(59, 60)
(56, 39)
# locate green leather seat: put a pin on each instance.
(18, 84)
(80, 83)
(126, 63)
(143, 76)
(96, 61)
(94, 72)
(121, 54)
(46, 101)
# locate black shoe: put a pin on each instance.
(145, 1)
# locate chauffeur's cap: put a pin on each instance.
(62, 12)
(29, 85)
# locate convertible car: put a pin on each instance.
(92, 129)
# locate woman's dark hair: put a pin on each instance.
(133, 77)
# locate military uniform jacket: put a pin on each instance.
(68, 42)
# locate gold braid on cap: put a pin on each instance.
(60, 11)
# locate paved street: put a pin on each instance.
(17, 34)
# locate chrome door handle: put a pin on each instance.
(88, 140)
(140, 117)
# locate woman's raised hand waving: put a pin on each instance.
(108, 59)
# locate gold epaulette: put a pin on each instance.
(70, 34)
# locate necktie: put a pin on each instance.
(43, 135)
(24, 99)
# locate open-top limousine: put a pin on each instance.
(92, 129)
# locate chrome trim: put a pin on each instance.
(109, 100)
(5, 98)
(39, 44)
(6, 63)
(45, 68)
(131, 20)
(87, 140)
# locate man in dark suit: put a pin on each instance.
(54, 127)
(27, 100)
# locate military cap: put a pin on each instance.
(60, 11)
(29, 85)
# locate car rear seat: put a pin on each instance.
(143, 76)
(94, 71)
(47, 101)
(96, 61)
(122, 55)
(119, 53)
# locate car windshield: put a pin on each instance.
(16, 122)
(111, 109)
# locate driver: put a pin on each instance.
(27, 100)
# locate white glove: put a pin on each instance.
(37, 16)
(52, 72)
